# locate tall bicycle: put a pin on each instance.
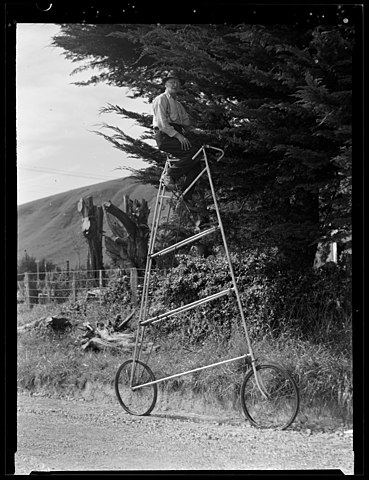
(269, 395)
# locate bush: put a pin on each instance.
(115, 300)
(117, 292)
(314, 306)
(301, 322)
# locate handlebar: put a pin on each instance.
(216, 148)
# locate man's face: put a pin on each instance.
(172, 86)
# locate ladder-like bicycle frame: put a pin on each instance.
(144, 321)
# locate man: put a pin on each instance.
(169, 122)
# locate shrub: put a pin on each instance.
(300, 321)
(117, 291)
(115, 300)
(316, 305)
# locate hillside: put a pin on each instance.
(50, 227)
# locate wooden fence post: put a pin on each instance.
(47, 287)
(66, 293)
(100, 285)
(74, 286)
(26, 290)
(133, 284)
(31, 290)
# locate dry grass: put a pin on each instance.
(57, 362)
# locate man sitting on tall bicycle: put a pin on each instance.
(169, 122)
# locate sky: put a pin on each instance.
(56, 148)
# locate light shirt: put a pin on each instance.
(168, 110)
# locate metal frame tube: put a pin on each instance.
(184, 242)
(136, 387)
(143, 310)
(231, 271)
(184, 308)
(193, 182)
(145, 287)
(215, 148)
(198, 151)
(227, 254)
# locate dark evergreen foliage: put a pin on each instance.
(276, 98)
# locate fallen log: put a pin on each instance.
(115, 336)
(30, 325)
(56, 323)
(98, 343)
(101, 337)
(126, 320)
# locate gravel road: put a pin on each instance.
(71, 435)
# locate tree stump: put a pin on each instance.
(92, 228)
(130, 232)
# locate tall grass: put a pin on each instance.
(306, 328)
(54, 362)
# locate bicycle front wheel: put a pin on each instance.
(140, 401)
(276, 403)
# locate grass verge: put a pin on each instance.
(55, 363)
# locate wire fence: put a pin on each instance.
(59, 287)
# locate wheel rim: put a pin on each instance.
(280, 406)
(142, 400)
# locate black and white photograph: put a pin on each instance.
(185, 208)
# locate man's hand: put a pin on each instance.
(185, 143)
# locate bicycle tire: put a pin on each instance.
(138, 402)
(279, 410)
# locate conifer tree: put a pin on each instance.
(277, 99)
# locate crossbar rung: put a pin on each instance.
(185, 242)
(193, 182)
(184, 308)
(136, 387)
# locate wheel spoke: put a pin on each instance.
(142, 400)
(280, 407)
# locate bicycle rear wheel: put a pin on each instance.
(279, 405)
(140, 401)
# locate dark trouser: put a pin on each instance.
(185, 165)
